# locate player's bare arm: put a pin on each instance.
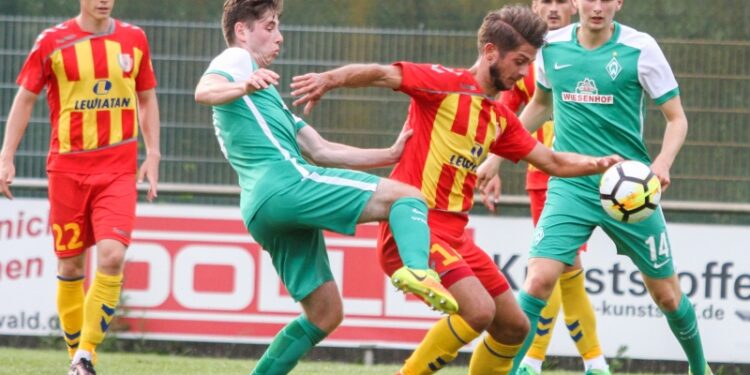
(674, 137)
(311, 87)
(568, 164)
(18, 120)
(150, 127)
(538, 111)
(324, 153)
(215, 89)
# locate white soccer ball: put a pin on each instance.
(629, 191)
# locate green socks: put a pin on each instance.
(408, 221)
(684, 326)
(532, 307)
(289, 345)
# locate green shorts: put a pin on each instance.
(569, 217)
(289, 224)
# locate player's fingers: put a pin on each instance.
(141, 174)
(5, 189)
(309, 106)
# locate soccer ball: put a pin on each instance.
(629, 191)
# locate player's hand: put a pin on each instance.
(487, 171)
(310, 88)
(398, 147)
(662, 173)
(603, 163)
(150, 170)
(491, 193)
(7, 173)
(261, 79)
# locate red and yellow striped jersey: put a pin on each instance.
(92, 82)
(514, 98)
(455, 126)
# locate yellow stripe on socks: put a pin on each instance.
(546, 326)
(99, 309)
(579, 314)
(492, 357)
(439, 346)
(70, 297)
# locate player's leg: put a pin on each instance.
(298, 254)
(548, 317)
(647, 244)
(112, 213)
(508, 327)
(72, 234)
(444, 339)
(566, 224)
(406, 212)
(580, 318)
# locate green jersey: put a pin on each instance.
(599, 95)
(257, 134)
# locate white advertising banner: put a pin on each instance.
(194, 273)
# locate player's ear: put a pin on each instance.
(490, 52)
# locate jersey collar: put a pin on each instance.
(615, 35)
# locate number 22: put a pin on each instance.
(74, 242)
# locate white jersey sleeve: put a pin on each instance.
(540, 73)
(235, 63)
(655, 74)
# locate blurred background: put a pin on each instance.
(706, 42)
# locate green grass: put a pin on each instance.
(41, 362)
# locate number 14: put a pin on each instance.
(663, 247)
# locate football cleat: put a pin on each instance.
(82, 367)
(706, 372)
(597, 371)
(425, 284)
(525, 369)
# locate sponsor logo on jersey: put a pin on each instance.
(586, 92)
(469, 163)
(102, 87)
(101, 103)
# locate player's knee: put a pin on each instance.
(667, 301)
(70, 268)
(328, 319)
(510, 330)
(478, 314)
(539, 285)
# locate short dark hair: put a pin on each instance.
(247, 11)
(511, 26)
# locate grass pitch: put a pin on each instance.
(42, 362)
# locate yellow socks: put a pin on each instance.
(492, 357)
(579, 314)
(439, 346)
(70, 308)
(99, 308)
(546, 326)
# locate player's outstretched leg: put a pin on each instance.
(426, 284)
(408, 222)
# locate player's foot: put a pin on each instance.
(525, 369)
(597, 371)
(707, 371)
(82, 367)
(426, 284)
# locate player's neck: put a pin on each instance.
(93, 25)
(591, 39)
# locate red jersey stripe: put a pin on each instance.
(103, 119)
(461, 121)
(70, 63)
(76, 131)
(469, 183)
(484, 119)
(99, 53)
(128, 124)
(445, 186)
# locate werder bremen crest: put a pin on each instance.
(614, 68)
